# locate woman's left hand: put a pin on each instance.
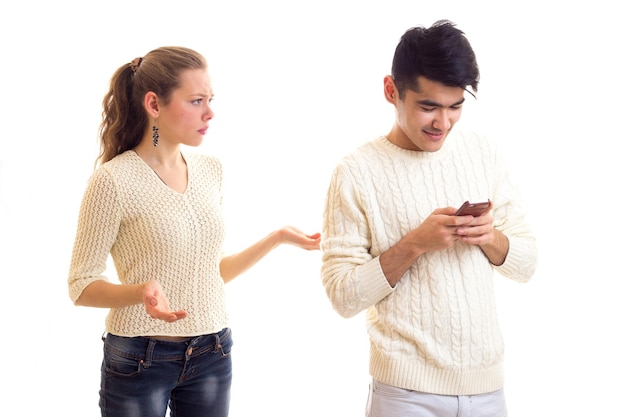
(293, 236)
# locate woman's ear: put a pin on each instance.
(391, 93)
(151, 104)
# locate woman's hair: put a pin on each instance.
(124, 118)
(440, 53)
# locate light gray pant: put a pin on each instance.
(385, 400)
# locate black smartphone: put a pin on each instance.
(475, 209)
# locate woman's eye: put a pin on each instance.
(197, 101)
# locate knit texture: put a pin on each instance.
(154, 232)
(437, 330)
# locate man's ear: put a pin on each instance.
(391, 93)
(151, 104)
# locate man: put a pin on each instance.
(393, 245)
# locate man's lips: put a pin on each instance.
(434, 135)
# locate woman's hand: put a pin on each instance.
(234, 265)
(157, 305)
(293, 236)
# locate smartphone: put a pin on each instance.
(475, 209)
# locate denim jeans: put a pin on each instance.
(141, 376)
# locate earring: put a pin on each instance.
(155, 135)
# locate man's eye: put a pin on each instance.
(428, 109)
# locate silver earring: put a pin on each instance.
(155, 135)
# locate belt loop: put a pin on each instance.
(218, 345)
(149, 352)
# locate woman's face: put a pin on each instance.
(185, 119)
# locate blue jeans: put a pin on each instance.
(141, 376)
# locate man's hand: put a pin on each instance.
(439, 231)
(476, 230)
(480, 231)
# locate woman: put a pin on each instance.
(157, 211)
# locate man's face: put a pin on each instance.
(424, 118)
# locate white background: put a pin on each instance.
(299, 84)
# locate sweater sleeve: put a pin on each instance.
(98, 224)
(510, 219)
(352, 277)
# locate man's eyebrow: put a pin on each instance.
(430, 103)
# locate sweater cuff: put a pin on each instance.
(520, 261)
(375, 284)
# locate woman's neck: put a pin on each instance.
(162, 156)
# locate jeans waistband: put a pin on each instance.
(151, 349)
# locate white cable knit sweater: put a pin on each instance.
(154, 232)
(437, 330)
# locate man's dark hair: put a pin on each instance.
(440, 53)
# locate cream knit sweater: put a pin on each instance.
(154, 232)
(437, 330)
